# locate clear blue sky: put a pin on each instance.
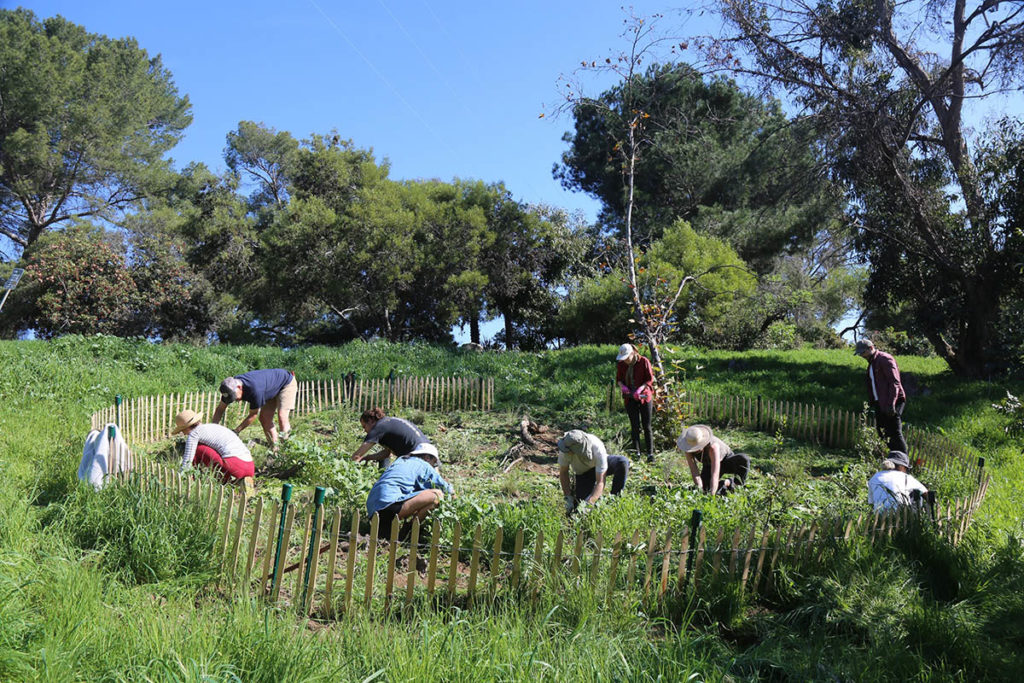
(440, 89)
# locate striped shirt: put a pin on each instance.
(217, 437)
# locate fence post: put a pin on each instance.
(696, 518)
(758, 419)
(981, 469)
(286, 496)
(111, 440)
(314, 541)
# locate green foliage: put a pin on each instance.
(86, 126)
(727, 161)
(140, 536)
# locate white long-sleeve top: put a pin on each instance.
(217, 437)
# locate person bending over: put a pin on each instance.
(216, 446)
(411, 487)
(394, 435)
(267, 392)
(586, 456)
(716, 458)
(893, 487)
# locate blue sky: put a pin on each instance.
(440, 89)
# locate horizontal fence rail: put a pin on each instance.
(313, 559)
(828, 427)
(146, 419)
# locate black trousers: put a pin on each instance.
(890, 427)
(618, 468)
(737, 464)
(640, 413)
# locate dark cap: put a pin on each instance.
(229, 390)
(862, 346)
(899, 458)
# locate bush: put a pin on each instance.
(141, 537)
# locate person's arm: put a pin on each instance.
(191, 441)
(716, 468)
(890, 385)
(218, 413)
(249, 419)
(692, 462)
(598, 487)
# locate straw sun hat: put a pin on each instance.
(694, 439)
(186, 419)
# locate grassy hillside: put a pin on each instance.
(72, 608)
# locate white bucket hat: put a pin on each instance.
(694, 439)
(427, 449)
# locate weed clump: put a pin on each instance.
(140, 536)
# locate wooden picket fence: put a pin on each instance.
(145, 419)
(310, 558)
(325, 567)
(826, 426)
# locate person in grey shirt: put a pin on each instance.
(590, 463)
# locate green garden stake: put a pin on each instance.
(286, 495)
(695, 521)
(117, 408)
(318, 501)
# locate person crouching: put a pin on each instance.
(410, 487)
(215, 446)
(585, 454)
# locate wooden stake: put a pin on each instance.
(496, 560)
(651, 541)
(392, 552)
(474, 564)
(613, 568)
(410, 578)
(371, 558)
(684, 546)
(332, 556)
(517, 558)
(453, 569)
(350, 559)
(432, 565)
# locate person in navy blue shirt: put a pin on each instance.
(411, 487)
(267, 392)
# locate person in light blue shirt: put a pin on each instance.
(411, 487)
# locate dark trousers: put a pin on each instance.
(618, 468)
(890, 427)
(640, 413)
(737, 464)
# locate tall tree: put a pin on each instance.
(728, 162)
(888, 85)
(85, 122)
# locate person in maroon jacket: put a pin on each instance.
(885, 391)
(635, 379)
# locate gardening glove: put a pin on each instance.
(570, 504)
(625, 389)
(638, 393)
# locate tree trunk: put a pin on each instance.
(474, 329)
(509, 331)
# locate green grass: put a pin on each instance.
(76, 604)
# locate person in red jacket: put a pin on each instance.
(635, 379)
(885, 391)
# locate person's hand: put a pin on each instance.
(570, 504)
(625, 389)
(698, 483)
(358, 458)
(584, 507)
(638, 393)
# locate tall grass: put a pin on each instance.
(110, 586)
